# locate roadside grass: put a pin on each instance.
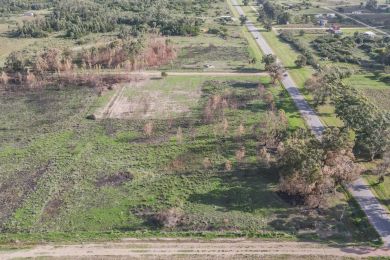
(69, 172)
(381, 190)
(288, 55)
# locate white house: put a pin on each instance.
(369, 34)
(331, 15)
(29, 14)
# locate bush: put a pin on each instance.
(169, 218)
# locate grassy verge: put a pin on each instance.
(381, 190)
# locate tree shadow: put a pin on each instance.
(247, 70)
(242, 191)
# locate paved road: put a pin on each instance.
(378, 216)
(307, 112)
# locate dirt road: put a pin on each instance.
(169, 248)
(151, 73)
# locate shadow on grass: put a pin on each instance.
(244, 191)
(247, 70)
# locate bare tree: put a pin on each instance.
(179, 135)
(4, 78)
(240, 154)
(207, 163)
(240, 130)
(148, 129)
(228, 166)
(225, 126)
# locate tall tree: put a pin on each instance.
(312, 169)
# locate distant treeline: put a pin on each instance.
(78, 18)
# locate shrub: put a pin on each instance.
(169, 218)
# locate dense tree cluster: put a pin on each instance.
(128, 54)
(336, 48)
(15, 6)
(343, 48)
(272, 11)
(370, 124)
(311, 169)
(77, 19)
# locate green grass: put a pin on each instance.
(382, 190)
(367, 81)
(58, 168)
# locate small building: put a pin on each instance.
(209, 66)
(29, 14)
(318, 16)
(331, 15)
(335, 29)
(384, 7)
(322, 22)
(369, 34)
(226, 18)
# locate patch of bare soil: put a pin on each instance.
(202, 249)
(148, 104)
(114, 180)
(52, 209)
(14, 191)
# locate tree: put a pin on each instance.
(268, 26)
(312, 169)
(301, 61)
(371, 125)
(325, 82)
(243, 19)
(148, 129)
(246, 2)
(371, 4)
(16, 62)
(4, 78)
(275, 70)
(283, 18)
(272, 129)
(383, 168)
(268, 59)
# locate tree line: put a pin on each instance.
(77, 19)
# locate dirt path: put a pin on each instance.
(185, 247)
(186, 73)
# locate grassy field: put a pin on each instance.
(105, 179)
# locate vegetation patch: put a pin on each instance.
(114, 180)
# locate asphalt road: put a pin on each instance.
(378, 216)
